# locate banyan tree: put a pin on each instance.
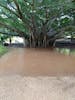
(39, 22)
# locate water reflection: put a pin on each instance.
(66, 51)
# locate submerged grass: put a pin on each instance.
(3, 50)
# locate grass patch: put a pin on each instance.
(3, 50)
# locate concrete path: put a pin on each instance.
(36, 62)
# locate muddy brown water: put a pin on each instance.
(36, 62)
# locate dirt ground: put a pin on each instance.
(37, 62)
(37, 88)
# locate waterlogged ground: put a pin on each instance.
(36, 62)
(19, 65)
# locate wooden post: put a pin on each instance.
(10, 40)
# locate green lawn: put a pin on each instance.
(3, 50)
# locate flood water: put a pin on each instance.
(66, 51)
(38, 62)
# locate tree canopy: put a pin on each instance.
(41, 22)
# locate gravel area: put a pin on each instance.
(37, 88)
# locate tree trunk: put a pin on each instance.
(45, 39)
(38, 43)
(34, 43)
(30, 40)
(24, 41)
